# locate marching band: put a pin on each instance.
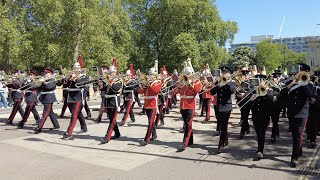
(264, 95)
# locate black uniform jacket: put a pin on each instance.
(128, 89)
(75, 92)
(47, 89)
(14, 86)
(297, 98)
(223, 94)
(113, 93)
(261, 107)
(31, 92)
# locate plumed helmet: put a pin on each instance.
(112, 69)
(76, 66)
(128, 72)
(188, 70)
(152, 71)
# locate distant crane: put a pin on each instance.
(281, 27)
(284, 49)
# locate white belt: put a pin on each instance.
(47, 92)
(153, 97)
(73, 89)
(150, 97)
(15, 90)
(111, 96)
(114, 96)
(187, 97)
(29, 91)
(127, 91)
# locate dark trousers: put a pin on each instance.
(76, 113)
(215, 108)
(102, 107)
(16, 107)
(64, 107)
(112, 114)
(136, 98)
(275, 115)
(312, 125)
(245, 111)
(31, 107)
(174, 99)
(160, 116)
(297, 126)
(151, 113)
(187, 116)
(86, 107)
(223, 117)
(128, 106)
(260, 125)
(47, 111)
(206, 107)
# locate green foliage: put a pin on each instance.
(274, 55)
(241, 56)
(42, 33)
(165, 25)
(269, 55)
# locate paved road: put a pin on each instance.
(46, 156)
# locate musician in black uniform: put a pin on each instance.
(75, 98)
(314, 114)
(171, 88)
(136, 98)
(276, 105)
(31, 94)
(114, 87)
(261, 108)
(86, 98)
(16, 96)
(102, 86)
(299, 96)
(64, 83)
(47, 98)
(224, 90)
(128, 95)
(243, 96)
(163, 99)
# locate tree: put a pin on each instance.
(159, 26)
(274, 55)
(241, 56)
(51, 33)
(269, 55)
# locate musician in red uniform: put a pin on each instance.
(188, 91)
(151, 90)
(206, 96)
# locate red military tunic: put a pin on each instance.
(188, 94)
(151, 94)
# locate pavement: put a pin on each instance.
(47, 156)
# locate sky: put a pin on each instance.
(264, 17)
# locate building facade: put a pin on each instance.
(313, 53)
(297, 44)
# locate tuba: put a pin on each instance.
(303, 76)
(262, 90)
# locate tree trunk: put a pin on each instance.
(5, 55)
(76, 48)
